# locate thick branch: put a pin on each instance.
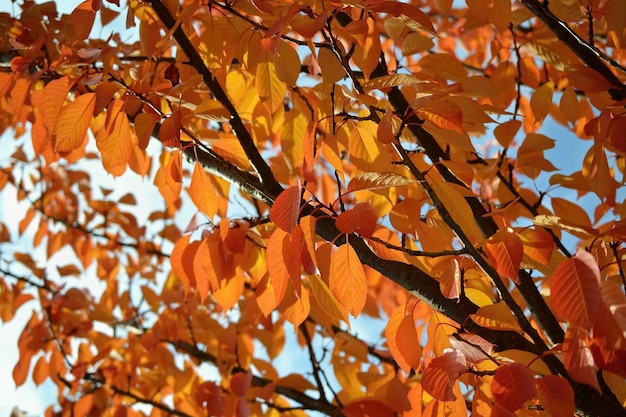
(589, 55)
(195, 60)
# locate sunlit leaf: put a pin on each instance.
(377, 181)
(72, 123)
(360, 219)
(575, 289)
(347, 279)
(202, 192)
(505, 250)
(286, 209)
(513, 384)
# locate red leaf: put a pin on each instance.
(575, 289)
(286, 209)
(513, 384)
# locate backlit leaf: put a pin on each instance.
(578, 359)
(541, 100)
(286, 209)
(202, 192)
(72, 123)
(505, 250)
(575, 289)
(441, 374)
(513, 384)
(377, 181)
(360, 219)
(347, 279)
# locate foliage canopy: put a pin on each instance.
(343, 158)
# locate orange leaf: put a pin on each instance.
(202, 192)
(295, 308)
(326, 299)
(144, 127)
(169, 133)
(360, 219)
(183, 267)
(385, 132)
(366, 55)
(286, 208)
(347, 279)
(538, 245)
(83, 406)
(541, 100)
(367, 408)
(283, 263)
(513, 384)
(458, 208)
(556, 395)
(439, 377)
(505, 132)
(578, 359)
(116, 145)
(408, 343)
(391, 331)
(41, 371)
(450, 279)
(82, 18)
(505, 250)
(207, 265)
(575, 289)
(332, 70)
(72, 123)
(587, 79)
(53, 98)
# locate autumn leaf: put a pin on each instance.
(202, 192)
(441, 374)
(556, 395)
(347, 279)
(505, 250)
(72, 123)
(578, 359)
(360, 219)
(286, 209)
(513, 384)
(575, 289)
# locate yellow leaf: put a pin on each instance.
(326, 299)
(72, 123)
(458, 208)
(270, 88)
